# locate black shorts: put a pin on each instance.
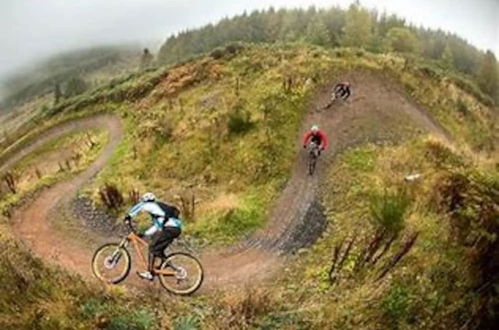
(161, 239)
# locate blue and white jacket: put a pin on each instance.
(158, 216)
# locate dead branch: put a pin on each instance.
(76, 158)
(237, 86)
(111, 196)
(336, 254)
(134, 151)
(343, 258)
(367, 253)
(188, 204)
(90, 141)
(38, 173)
(68, 164)
(10, 181)
(133, 196)
(397, 257)
(387, 246)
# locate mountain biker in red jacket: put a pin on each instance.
(317, 136)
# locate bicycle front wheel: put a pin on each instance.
(312, 161)
(111, 263)
(181, 273)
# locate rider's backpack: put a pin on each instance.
(170, 210)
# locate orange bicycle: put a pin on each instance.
(179, 273)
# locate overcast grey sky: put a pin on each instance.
(33, 29)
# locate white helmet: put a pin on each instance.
(314, 128)
(148, 197)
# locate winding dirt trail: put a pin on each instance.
(32, 222)
(377, 110)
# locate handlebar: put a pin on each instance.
(128, 224)
(313, 145)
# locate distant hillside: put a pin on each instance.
(334, 27)
(78, 69)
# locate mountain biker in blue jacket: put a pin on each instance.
(165, 228)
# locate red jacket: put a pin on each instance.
(319, 137)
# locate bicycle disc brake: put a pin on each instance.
(109, 263)
(181, 273)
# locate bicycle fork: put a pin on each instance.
(115, 257)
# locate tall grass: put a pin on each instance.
(387, 209)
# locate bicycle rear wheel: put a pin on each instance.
(186, 273)
(311, 164)
(111, 263)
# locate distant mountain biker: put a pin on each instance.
(317, 136)
(342, 90)
(166, 227)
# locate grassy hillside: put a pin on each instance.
(39, 296)
(223, 128)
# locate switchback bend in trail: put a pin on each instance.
(378, 107)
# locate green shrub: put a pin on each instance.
(228, 225)
(469, 198)
(439, 153)
(462, 107)
(361, 159)
(75, 86)
(91, 308)
(140, 319)
(472, 88)
(360, 53)
(388, 209)
(395, 304)
(188, 322)
(217, 53)
(238, 221)
(239, 121)
(234, 48)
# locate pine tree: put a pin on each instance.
(358, 27)
(317, 33)
(57, 93)
(334, 19)
(75, 86)
(447, 57)
(146, 59)
(488, 75)
(402, 40)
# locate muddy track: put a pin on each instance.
(377, 111)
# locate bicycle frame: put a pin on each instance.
(313, 149)
(139, 244)
(313, 155)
